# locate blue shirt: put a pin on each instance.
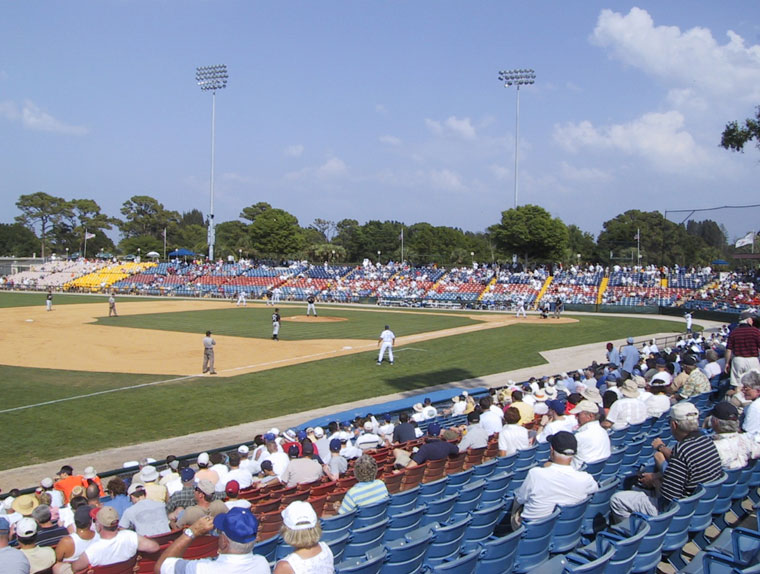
(630, 357)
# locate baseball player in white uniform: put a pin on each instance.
(310, 308)
(688, 318)
(240, 299)
(386, 341)
(521, 307)
(276, 325)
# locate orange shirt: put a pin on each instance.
(66, 485)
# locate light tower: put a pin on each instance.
(211, 79)
(517, 78)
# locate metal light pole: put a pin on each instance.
(517, 78)
(211, 79)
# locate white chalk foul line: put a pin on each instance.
(174, 380)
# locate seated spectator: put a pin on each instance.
(278, 458)
(301, 531)
(554, 421)
(428, 409)
(48, 532)
(593, 441)
(182, 499)
(300, 469)
(204, 470)
(750, 382)
(556, 484)
(526, 411)
(368, 440)
(71, 547)
(242, 476)
(693, 461)
(540, 408)
(626, 411)
(13, 560)
(153, 490)
(232, 492)
(513, 435)
(90, 477)
(267, 476)
(476, 436)
(734, 447)
(237, 536)
(418, 415)
(67, 480)
(658, 403)
(147, 517)
(117, 490)
(205, 505)
(40, 558)
(712, 367)
(115, 545)
(46, 485)
(696, 382)
(433, 449)
(490, 418)
(367, 490)
(404, 430)
(337, 464)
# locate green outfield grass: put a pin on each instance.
(9, 299)
(257, 322)
(177, 408)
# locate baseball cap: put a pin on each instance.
(26, 527)
(725, 412)
(232, 488)
(684, 411)
(46, 482)
(205, 486)
(335, 445)
(203, 458)
(243, 449)
(434, 429)
(368, 426)
(301, 435)
(134, 487)
(299, 515)
(269, 437)
(107, 516)
(267, 465)
(319, 432)
(585, 406)
(558, 406)
(660, 362)
(293, 450)
(629, 340)
(239, 525)
(746, 314)
(473, 417)
(187, 474)
(83, 514)
(689, 360)
(564, 442)
(5, 527)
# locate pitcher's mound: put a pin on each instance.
(305, 319)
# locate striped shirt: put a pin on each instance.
(363, 494)
(695, 460)
(744, 341)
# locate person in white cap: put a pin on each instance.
(626, 411)
(593, 441)
(368, 440)
(153, 490)
(301, 530)
(204, 472)
(146, 517)
(40, 558)
(56, 496)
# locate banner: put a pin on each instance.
(748, 239)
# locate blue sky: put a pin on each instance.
(382, 110)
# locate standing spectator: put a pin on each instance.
(368, 489)
(513, 435)
(743, 347)
(13, 560)
(613, 355)
(67, 480)
(629, 356)
(237, 537)
(301, 530)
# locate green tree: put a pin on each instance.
(710, 232)
(325, 228)
(232, 239)
(581, 243)
(350, 236)
(275, 232)
(252, 212)
(192, 217)
(17, 240)
(86, 217)
(735, 137)
(44, 210)
(531, 232)
(144, 215)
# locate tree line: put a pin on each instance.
(528, 234)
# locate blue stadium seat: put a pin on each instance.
(497, 554)
(534, 545)
(430, 491)
(403, 501)
(567, 531)
(598, 510)
(338, 546)
(405, 556)
(266, 548)
(579, 564)
(484, 521)
(447, 540)
(505, 463)
(703, 514)
(439, 510)
(468, 500)
(677, 535)
(612, 465)
(496, 488)
(362, 539)
(458, 480)
(625, 547)
(371, 513)
(723, 502)
(464, 564)
(371, 564)
(595, 468)
(402, 522)
(484, 469)
(336, 526)
(650, 550)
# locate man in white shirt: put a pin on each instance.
(243, 476)
(554, 421)
(386, 342)
(750, 382)
(557, 484)
(489, 420)
(626, 411)
(593, 441)
(513, 435)
(368, 440)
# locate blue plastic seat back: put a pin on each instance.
(567, 531)
(458, 480)
(534, 545)
(371, 513)
(369, 564)
(595, 468)
(497, 480)
(464, 564)
(525, 458)
(518, 478)
(336, 526)
(677, 534)
(484, 469)
(407, 556)
(362, 539)
(484, 521)
(716, 563)
(598, 509)
(338, 546)
(632, 451)
(496, 491)
(283, 549)
(741, 490)
(266, 548)
(447, 539)
(578, 565)
(542, 452)
(469, 498)
(505, 463)
(432, 490)
(723, 501)
(403, 522)
(703, 513)
(403, 501)
(617, 437)
(626, 547)
(612, 466)
(650, 549)
(497, 554)
(439, 510)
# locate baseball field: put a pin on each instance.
(75, 381)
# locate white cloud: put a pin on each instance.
(584, 174)
(446, 179)
(660, 138)
(36, 119)
(9, 110)
(685, 59)
(381, 109)
(500, 172)
(333, 167)
(294, 150)
(462, 128)
(390, 140)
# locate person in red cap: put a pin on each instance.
(232, 490)
(237, 535)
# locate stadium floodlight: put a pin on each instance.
(517, 78)
(211, 79)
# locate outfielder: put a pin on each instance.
(276, 325)
(386, 341)
(310, 306)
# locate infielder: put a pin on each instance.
(49, 301)
(208, 354)
(310, 306)
(521, 307)
(240, 299)
(112, 306)
(386, 341)
(276, 294)
(276, 325)
(688, 318)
